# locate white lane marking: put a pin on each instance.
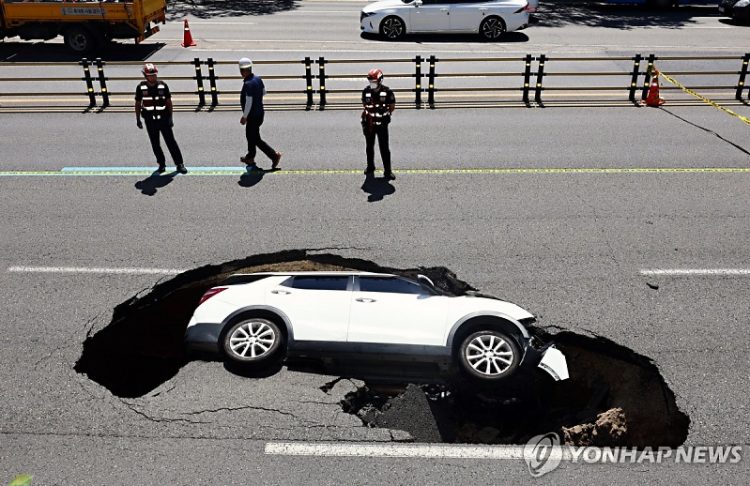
(110, 271)
(355, 12)
(707, 27)
(698, 272)
(311, 41)
(441, 451)
(415, 49)
(213, 22)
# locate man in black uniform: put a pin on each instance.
(379, 102)
(154, 101)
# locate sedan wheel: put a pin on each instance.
(252, 341)
(392, 28)
(489, 355)
(492, 28)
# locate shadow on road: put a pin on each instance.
(151, 185)
(624, 17)
(377, 188)
(508, 38)
(206, 9)
(253, 176)
(19, 51)
(736, 23)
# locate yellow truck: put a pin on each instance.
(85, 25)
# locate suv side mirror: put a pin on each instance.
(417, 3)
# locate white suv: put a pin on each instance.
(257, 319)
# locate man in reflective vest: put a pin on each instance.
(379, 102)
(251, 100)
(154, 101)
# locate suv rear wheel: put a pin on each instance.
(253, 341)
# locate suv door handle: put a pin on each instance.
(443, 9)
(282, 292)
(362, 299)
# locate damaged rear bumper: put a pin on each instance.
(202, 338)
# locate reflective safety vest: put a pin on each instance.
(153, 99)
(376, 103)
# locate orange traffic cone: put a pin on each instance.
(188, 38)
(653, 99)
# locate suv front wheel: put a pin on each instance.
(489, 355)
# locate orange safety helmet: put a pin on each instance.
(375, 74)
(149, 69)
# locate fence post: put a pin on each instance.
(212, 82)
(539, 80)
(199, 80)
(743, 74)
(102, 82)
(647, 80)
(322, 81)
(634, 77)
(527, 78)
(89, 82)
(309, 82)
(418, 81)
(431, 82)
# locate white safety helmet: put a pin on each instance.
(149, 69)
(246, 63)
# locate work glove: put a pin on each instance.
(139, 123)
(171, 121)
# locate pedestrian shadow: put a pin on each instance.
(252, 176)
(151, 184)
(377, 188)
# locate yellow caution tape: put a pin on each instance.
(703, 98)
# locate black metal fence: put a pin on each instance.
(420, 82)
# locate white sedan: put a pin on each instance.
(258, 319)
(393, 19)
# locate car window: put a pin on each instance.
(390, 285)
(318, 283)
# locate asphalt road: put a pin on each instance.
(567, 244)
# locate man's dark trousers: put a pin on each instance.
(381, 131)
(252, 133)
(156, 127)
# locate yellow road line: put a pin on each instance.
(9, 99)
(206, 171)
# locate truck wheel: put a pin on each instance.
(79, 39)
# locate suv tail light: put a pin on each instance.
(210, 293)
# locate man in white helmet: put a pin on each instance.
(154, 102)
(251, 100)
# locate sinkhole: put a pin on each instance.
(614, 397)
